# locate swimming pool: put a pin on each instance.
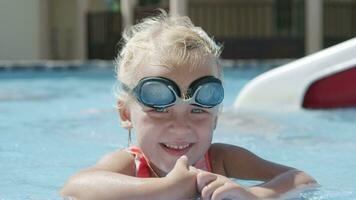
(55, 122)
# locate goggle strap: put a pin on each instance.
(125, 87)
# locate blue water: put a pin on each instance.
(54, 123)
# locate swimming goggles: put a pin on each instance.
(160, 92)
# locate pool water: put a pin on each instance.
(54, 123)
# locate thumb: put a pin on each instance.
(180, 166)
(182, 162)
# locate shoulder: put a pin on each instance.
(225, 150)
(238, 162)
(218, 156)
(119, 161)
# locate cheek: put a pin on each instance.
(207, 125)
(142, 128)
(204, 128)
(207, 122)
(206, 133)
(146, 128)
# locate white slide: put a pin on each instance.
(323, 80)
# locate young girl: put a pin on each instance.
(171, 95)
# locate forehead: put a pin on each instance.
(183, 74)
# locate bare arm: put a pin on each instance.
(112, 179)
(96, 184)
(239, 163)
(282, 184)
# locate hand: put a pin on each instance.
(217, 187)
(184, 179)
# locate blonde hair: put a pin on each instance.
(173, 39)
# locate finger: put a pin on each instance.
(209, 189)
(182, 162)
(193, 169)
(184, 159)
(204, 178)
(223, 192)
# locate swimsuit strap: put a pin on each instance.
(141, 162)
(143, 168)
(204, 163)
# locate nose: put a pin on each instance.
(181, 122)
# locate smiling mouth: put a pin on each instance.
(176, 149)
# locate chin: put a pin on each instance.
(168, 168)
(164, 168)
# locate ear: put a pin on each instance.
(124, 113)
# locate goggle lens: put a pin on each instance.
(156, 94)
(210, 94)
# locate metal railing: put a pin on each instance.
(104, 33)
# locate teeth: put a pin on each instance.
(172, 146)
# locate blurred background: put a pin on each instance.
(249, 29)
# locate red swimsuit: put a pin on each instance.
(143, 169)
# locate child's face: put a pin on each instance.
(181, 129)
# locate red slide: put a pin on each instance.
(335, 91)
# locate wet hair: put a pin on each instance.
(173, 40)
